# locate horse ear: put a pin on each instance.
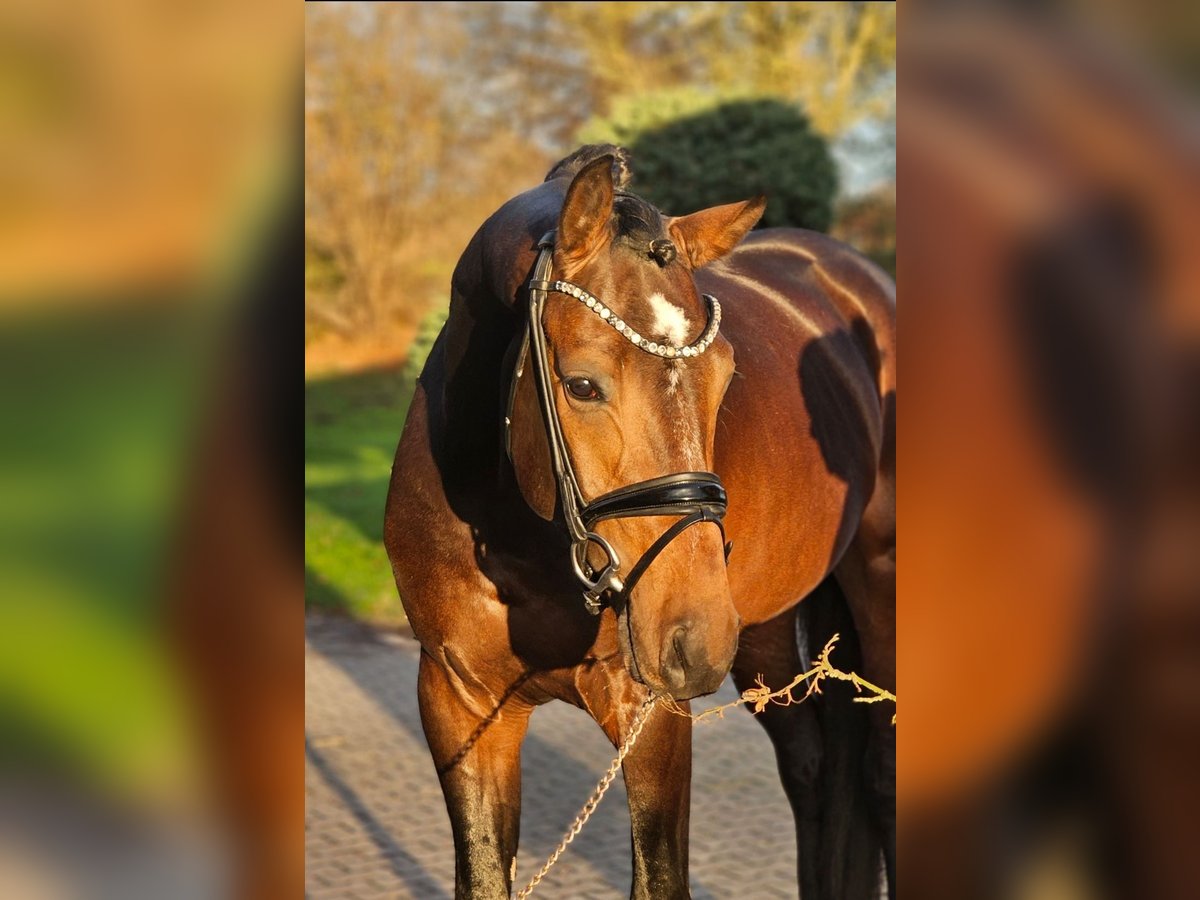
(584, 223)
(711, 233)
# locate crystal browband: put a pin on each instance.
(667, 351)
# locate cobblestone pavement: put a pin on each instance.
(376, 825)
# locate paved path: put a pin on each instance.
(376, 825)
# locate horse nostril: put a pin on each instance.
(673, 661)
(679, 651)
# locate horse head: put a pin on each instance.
(634, 406)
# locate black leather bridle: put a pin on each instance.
(694, 496)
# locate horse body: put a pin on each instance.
(798, 440)
(801, 431)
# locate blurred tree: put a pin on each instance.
(403, 157)
(421, 118)
(868, 223)
(831, 58)
(692, 151)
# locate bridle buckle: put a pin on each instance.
(596, 586)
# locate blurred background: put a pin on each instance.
(150, 592)
(1049, 593)
(422, 119)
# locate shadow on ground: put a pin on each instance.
(367, 749)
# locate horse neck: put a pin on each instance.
(485, 316)
(521, 548)
(477, 336)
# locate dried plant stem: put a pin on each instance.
(761, 695)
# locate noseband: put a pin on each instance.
(694, 496)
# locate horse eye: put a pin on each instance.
(582, 388)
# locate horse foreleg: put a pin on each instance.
(867, 576)
(770, 650)
(658, 776)
(476, 744)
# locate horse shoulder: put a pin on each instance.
(425, 541)
(813, 324)
(840, 280)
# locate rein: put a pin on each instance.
(694, 496)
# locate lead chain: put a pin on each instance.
(597, 795)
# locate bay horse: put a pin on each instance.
(617, 401)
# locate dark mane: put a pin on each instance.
(569, 166)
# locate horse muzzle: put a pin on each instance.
(685, 659)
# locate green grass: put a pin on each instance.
(100, 413)
(351, 426)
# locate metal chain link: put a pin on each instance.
(597, 795)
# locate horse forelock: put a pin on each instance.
(637, 223)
